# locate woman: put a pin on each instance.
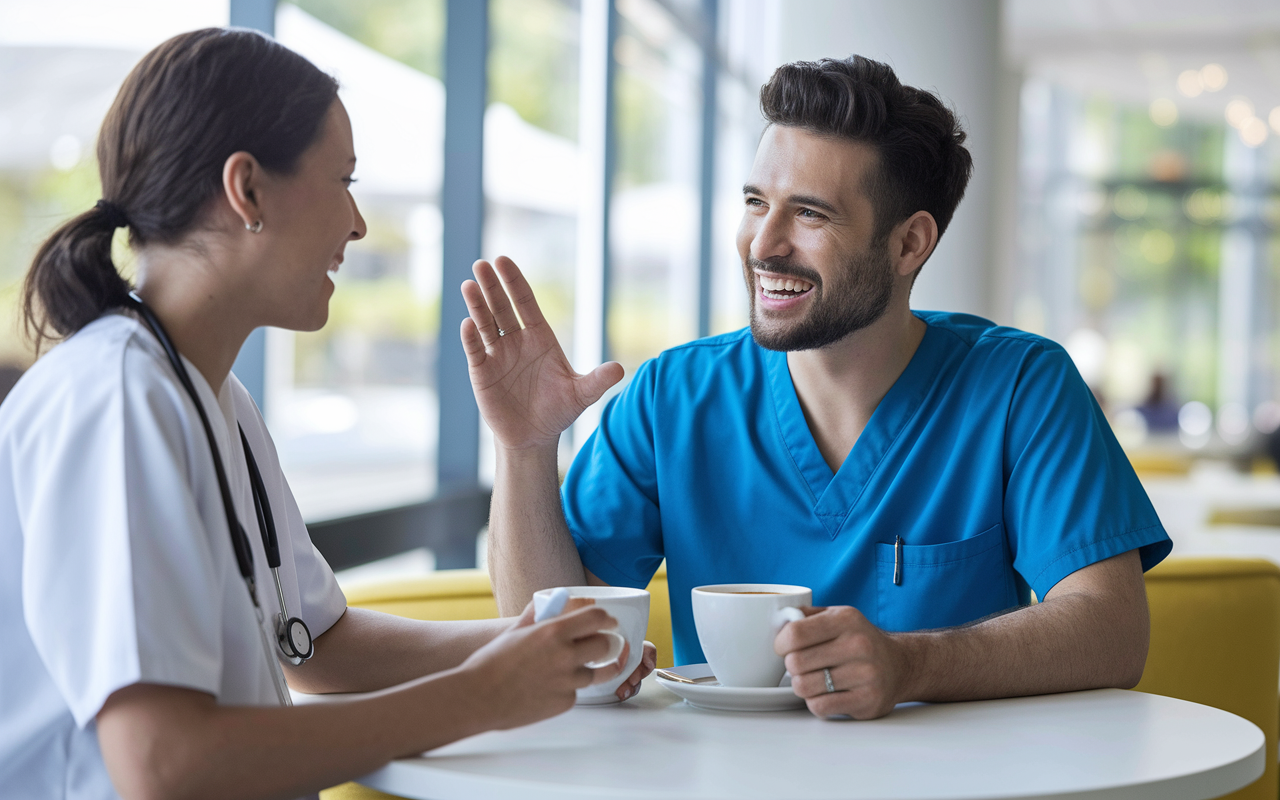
(144, 625)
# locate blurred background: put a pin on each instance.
(1126, 202)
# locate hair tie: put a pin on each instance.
(112, 214)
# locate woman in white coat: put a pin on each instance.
(143, 637)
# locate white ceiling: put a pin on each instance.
(1134, 50)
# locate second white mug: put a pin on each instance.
(737, 623)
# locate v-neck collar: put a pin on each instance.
(834, 495)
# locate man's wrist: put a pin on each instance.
(913, 654)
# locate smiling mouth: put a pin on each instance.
(782, 288)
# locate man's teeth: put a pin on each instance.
(782, 287)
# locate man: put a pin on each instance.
(921, 472)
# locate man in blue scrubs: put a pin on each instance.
(922, 472)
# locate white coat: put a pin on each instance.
(116, 565)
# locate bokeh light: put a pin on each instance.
(1164, 112)
(1190, 84)
(1239, 111)
(1213, 77)
(1253, 132)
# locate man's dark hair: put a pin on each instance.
(923, 164)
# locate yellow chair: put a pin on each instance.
(1215, 640)
(467, 594)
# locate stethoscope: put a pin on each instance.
(292, 634)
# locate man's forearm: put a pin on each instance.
(1074, 640)
(529, 543)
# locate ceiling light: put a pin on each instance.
(1254, 132)
(1213, 77)
(1164, 112)
(1239, 111)
(1190, 83)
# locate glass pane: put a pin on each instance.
(63, 63)
(532, 180)
(1148, 235)
(353, 406)
(655, 212)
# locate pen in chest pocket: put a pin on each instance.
(897, 561)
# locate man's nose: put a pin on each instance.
(772, 238)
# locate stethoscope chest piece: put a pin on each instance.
(295, 639)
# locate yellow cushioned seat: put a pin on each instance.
(1215, 640)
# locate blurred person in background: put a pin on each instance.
(159, 586)
(922, 472)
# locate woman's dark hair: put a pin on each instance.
(923, 164)
(184, 109)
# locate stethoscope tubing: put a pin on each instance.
(285, 625)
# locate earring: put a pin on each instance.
(256, 227)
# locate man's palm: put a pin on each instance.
(524, 385)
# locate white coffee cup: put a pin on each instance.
(737, 623)
(630, 607)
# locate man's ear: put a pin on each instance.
(912, 242)
(241, 176)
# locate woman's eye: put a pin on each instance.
(349, 180)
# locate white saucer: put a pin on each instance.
(730, 698)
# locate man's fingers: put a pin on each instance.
(496, 297)
(472, 344)
(596, 382)
(478, 308)
(812, 630)
(526, 305)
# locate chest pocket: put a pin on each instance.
(943, 585)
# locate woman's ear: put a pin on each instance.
(912, 242)
(241, 176)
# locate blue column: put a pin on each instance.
(251, 364)
(462, 206)
(710, 111)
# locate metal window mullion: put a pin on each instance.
(462, 209)
(710, 111)
(598, 148)
(251, 362)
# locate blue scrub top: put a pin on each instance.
(989, 457)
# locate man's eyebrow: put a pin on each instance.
(798, 199)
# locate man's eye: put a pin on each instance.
(809, 212)
(754, 201)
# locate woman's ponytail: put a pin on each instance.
(73, 280)
(186, 107)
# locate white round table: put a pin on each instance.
(1099, 744)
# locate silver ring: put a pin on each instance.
(501, 332)
(826, 675)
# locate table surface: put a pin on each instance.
(1099, 744)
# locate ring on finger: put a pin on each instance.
(826, 676)
(501, 332)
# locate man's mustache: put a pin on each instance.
(785, 267)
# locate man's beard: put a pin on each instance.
(857, 298)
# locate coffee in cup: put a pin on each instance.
(630, 607)
(737, 623)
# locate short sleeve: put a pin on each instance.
(120, 584)
(611, 492)
(1072, 497)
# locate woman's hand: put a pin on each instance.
(533, 671)
(526, 388)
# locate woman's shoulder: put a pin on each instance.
(87, 374)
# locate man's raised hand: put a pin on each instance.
(524, 385)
